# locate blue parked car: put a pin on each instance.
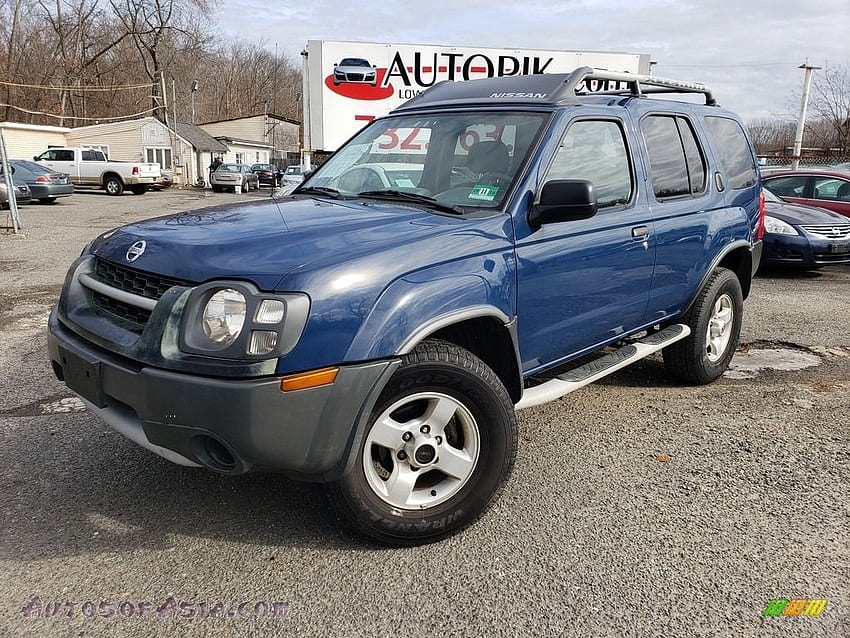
(377, 328)
(804, 236)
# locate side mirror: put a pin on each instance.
(37, 158)
(308, 174)
(564, 200)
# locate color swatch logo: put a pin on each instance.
(795, 607)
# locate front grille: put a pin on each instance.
(132, 317)
(355, 77)
(136, 282)
(828, 231)
(139, 283)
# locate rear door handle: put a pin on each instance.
(640, 232)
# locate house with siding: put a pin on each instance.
(184, 152)
(274, 132)
(23, 141)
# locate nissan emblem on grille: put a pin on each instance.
(135, 251)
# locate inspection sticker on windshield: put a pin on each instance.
(483, 191)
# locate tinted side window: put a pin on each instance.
(790, 186)
(64, 156)
(676, 162)
(734, 151)
(693, 156)
(832, 188)
(595, 150)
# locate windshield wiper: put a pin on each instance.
(321, 190)
(396, 195)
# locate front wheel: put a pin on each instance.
(439, 446)
(715, 323)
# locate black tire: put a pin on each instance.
(138, 190)
(697, 359)
(216, 189)
(47, 200)
(113, 185)
(481, 418)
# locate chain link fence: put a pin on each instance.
(784, 161)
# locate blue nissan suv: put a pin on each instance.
(378, 327)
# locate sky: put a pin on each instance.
(747, 51)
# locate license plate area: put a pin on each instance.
(839, 249)
(82, 376)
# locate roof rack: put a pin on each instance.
(571, 86)
(547, 88)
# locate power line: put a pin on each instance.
(74, 117)
(50, 87)
(723, 66)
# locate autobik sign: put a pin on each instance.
(347, 84)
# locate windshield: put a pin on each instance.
(453, 159)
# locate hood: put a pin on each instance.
(807, 215)
(263, 241)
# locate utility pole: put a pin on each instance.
(306, 149)
(193, 90)
(801, 122)
(10, 185)
(274, 103)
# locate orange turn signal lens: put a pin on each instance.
(312, 379)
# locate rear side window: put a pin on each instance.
(676, 162)
(735, 155)
(790, 186)
(832, 188)
(595, 150)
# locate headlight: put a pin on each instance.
(235, 320)
(778, 227)
(224, 316)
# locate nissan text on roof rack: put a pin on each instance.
(378, 328)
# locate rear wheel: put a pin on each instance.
(113, 186)
(715, 323)
(438, 449)
(138, 190)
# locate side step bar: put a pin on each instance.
(579, 377)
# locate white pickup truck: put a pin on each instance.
(89, 167)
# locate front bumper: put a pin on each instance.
(799, 250)
(229, 426)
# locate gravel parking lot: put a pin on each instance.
(637, 507)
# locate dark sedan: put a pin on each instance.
(46, 185)
(825, 188)
(804, 236)
(266, 173)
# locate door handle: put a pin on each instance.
(640, 232)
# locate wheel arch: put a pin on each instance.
(737, 257)
(485, 332)
(107, 174)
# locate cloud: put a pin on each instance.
(748, 52)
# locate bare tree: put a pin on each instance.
(830, 100)
(72, 62)
(161, 30)
(771, 137)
